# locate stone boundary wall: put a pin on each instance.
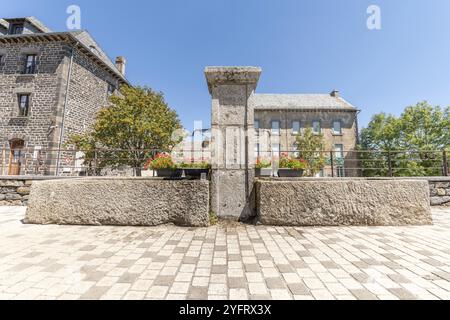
(440, 191)
(15, 191)
(342, 202)
(119, 201)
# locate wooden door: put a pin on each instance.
(15, 157)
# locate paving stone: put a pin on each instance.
(237, 262)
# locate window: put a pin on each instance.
(276, 149)
(257, 127)
(276, 128)
(16, 28)
(295, 127)
(111, 89)
(24, 105)
(337, 127)
(317, 127)
(341, 172)
(257, 151)
(30, 66)
(339, 151)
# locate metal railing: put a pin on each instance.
(352, 163)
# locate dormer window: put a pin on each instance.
(111, 89)
(16, 28)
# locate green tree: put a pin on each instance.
(136, 121)
(413, 142)
(310, 147)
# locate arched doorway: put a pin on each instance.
(15, 156)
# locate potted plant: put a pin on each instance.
(164, 166)
(291, 167)
(263, 168)
(194, 170)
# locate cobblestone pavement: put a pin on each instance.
(223, 262)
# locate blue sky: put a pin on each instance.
(310, 46)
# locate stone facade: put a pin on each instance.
(71, 82)
(119, 201)
(348, 138)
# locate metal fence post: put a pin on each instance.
(445, 159)
(391, 173)
(332, 163)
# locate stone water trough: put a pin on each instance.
(343, 202)
(119, 201)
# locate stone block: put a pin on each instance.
(438, 201)
(13, 196)
(119, 201)
(344, 202)
(11, 183)
(23, 191)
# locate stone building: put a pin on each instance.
(51, 86)
(280, 118)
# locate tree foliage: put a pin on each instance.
(411, 143)
(137, 121)
(310, 146)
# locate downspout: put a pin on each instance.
(66, 101)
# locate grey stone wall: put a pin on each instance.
(119, 201)
(44, 88)
(343, 202)
(14, 192)
(88, 92)
(440, 192)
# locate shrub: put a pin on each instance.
(287, 162)
(160, 161)
(195, 165)
(263, 163)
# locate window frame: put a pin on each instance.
(31, 69)
(27, 107)
(340, 128)
(339, 154)
(320, 127)
(299, 127)
(272, 130)
(16, 26)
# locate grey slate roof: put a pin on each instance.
(38, 24)
(85, 38)
(299, 101)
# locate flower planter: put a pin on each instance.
(263, 172)
(193, 173)
(290, 173)
(169, 173)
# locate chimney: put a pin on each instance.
(335, 93)
(121, 63)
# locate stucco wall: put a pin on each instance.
(119, 201)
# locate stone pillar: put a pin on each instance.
(232, 134)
